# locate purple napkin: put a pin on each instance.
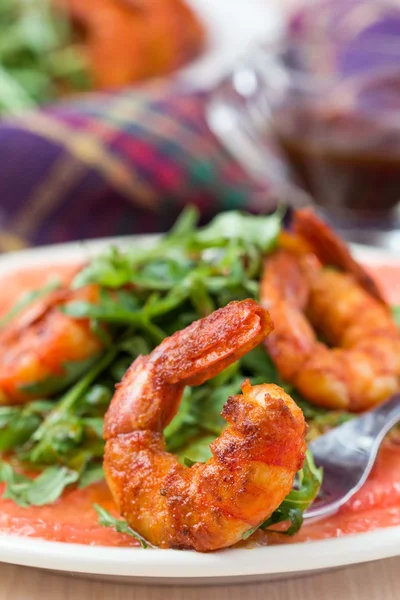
(113, 164)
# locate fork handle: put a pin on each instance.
(380, 420)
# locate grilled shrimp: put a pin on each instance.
(331, 250)
(36, 346)
(362, 365)
(254, 461)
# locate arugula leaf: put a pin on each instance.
(260, 231)
(16, 484)
(198, 450)
(258, 363)
(100, 331)
(80, 309)
(107, 520)
(45, 489)
(84, 457)
(95, 425)
(62, 430)
(309, 482)
(296, 502)
(111, 310)
(49, 486)
(183, 436)
(38, 57)
(157, 306)
(72, 371)
(284, 514)
(180, 419)
(226, 376)
(185, 225)
(28, 298)
(112, 269)
(7, 414)
(396, 314)
(97, 397)
(18, 423)
(249, 532)
(185, 250)
(73, 395)
(92, 473)
(135, 346)
(201, 298)
(210, 402)
(64, 435)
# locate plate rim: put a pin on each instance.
(88, 247)
(156, 564)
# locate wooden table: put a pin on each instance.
(373, 581)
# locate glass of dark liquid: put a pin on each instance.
(329, 108)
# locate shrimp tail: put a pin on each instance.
(151, 389)
(331, 250)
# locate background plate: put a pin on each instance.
(177, 567)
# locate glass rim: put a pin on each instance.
(347, 21)
(332, 89)
(388, 44)
(326, 75)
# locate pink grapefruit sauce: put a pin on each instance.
(73, 519)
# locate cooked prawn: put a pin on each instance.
(254, 461)
(362, 367)
(37, 344)
(330, 249)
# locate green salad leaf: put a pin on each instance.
(92, 473)
(107, 520)
(285, 514)
(29, 297)
(309, 482)
(71, 372)
(38, 55)
(44, 489)
(262, 232)
(18, 424)
(396, 314)
(290, 512)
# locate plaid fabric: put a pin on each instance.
(113, 164)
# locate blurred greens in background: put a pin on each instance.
(39, 58)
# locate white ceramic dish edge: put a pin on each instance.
(257, 562)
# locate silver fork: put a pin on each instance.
(347, 455)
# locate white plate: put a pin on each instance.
(177, 567)
(232, 26)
